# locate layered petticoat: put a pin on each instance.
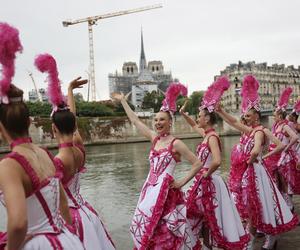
(266, 207)
(209, 202)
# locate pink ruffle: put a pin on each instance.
(3, 240)
(193, 210)
(157, 213)
(163, 238)
(271, 165)
(207, 200)
(237, 170)
(255, 209)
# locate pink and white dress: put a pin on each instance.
(287, 164)
(209, 202)
(237, 170)
(266, 207)
(272, 161)
(159, 221)
(44, 220)
(88, 225)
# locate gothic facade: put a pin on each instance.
(147, 77)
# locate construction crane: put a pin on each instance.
(92, 21)
(35, 87)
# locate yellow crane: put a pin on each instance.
(92, 21)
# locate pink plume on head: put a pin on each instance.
(174, 90)
(9, 45)
(249, 93)
(214, 93)
(46, 63)
(284, 98)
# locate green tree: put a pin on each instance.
(195, 100)
(152, 100)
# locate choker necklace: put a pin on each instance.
(19, 141)
(66, 145)
(209, 130)
(163, 135)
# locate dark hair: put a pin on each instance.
(282, 113)
(294, 114)
(64, 120)
(212, 116)
(15, 115)
(257, 112)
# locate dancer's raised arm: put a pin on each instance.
(76, 83)
(144, 130)
(232, 121)
(191, 121)
(184, 151)
(279, 145)
(216, 155)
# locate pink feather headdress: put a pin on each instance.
(46, 63)
(174, 90)
(249, 93)
(9, 45)
(296, 108)
(284, 99)
(214, 93)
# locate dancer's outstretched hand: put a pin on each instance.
(77, 83)
(176, 184)
(182, 109)
(117, 96)
(218, 107)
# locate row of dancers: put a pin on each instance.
(257, 199)
(45, 209)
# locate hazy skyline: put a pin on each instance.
(194, 39)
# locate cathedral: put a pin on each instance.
(138, 81)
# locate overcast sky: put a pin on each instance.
(194, 39)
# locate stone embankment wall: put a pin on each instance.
(110, 130)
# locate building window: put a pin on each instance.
(153, 68)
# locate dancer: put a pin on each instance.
(159, 220)
(209, 205)
(29, 181)
(71, 158)
(293, 123)
(266, 208)
(282, 166)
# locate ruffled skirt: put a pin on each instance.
(266, 207)
(209, 202)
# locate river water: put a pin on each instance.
(114, 177)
